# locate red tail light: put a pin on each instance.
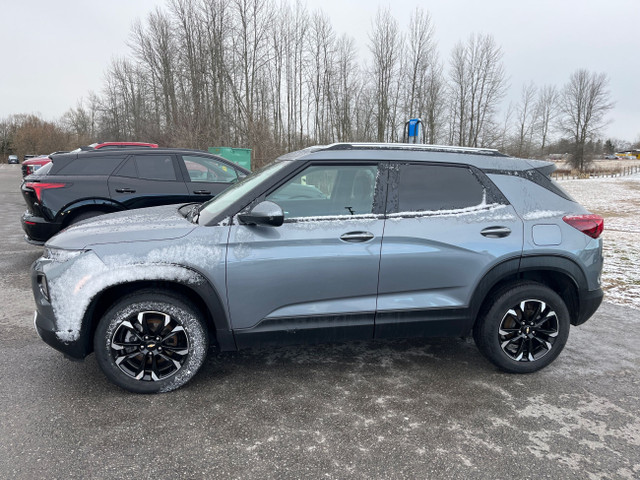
(39, 187)
(591, 225)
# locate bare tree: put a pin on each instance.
(477, 85)
(385, 45)
(584, 103)
(547, 107)
(425, 87)
(527, 117)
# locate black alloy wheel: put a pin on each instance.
(151, 342)
(524, 328)
(150, 347)
(528, 330)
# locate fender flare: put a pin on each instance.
(516, 266)
(87, 203)
(96, 295)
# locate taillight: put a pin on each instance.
(39, 187)
(591, 225)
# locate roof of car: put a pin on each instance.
(483, 158)
(140, 151)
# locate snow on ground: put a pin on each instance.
(618, 201)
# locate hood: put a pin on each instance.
(145, 224)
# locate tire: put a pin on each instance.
(85, 215)
(166, 342)
(524, 329)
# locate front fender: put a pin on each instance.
(74, 288)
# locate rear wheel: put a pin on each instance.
(525, 328)
(151, 342)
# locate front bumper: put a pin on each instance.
(45, 324)
(46, 331)
(38, 229)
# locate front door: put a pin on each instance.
(315, 277)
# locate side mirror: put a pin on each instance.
(264, 213)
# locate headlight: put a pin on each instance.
(61, 255)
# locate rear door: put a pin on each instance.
(147, 181)
(446, 227)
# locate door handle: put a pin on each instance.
(496, 232)
(354, 237)
(202, 192)
(125, 190)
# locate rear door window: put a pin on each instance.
(156, 167)
(436, 188)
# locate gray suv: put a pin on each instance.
(330, 243)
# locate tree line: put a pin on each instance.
(276, 77)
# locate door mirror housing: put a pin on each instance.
(264, 213)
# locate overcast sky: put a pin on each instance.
(55, 52)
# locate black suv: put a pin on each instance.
(79, 185)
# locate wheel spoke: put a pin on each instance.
(530, 350)
(154, 369)
(551, 314)
(548, 333)
(122, 345)
(543, 342)
(129, 356)
(177, 350)
(169, 359)
(519, 352)
(514, 315)
(140, 373)
(508, 331)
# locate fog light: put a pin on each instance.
(44, 287)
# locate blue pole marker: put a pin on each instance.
(412, 130)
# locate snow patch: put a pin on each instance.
(73, 290)
(540, 214)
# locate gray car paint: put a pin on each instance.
(304, 270)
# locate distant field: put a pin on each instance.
(618, 201)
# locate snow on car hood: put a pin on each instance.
(156, 223)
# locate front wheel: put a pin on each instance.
(151, 342)
(524, 329)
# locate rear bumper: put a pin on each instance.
(37, 229)
(589, 303)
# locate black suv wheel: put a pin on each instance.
(524, 329)
(151, 342)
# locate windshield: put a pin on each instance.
(227, 198)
